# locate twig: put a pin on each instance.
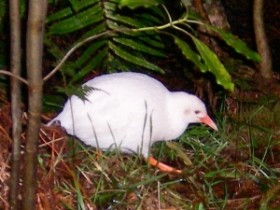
(14, 76)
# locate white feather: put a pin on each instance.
(129, 111)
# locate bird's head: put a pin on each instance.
(194, 110)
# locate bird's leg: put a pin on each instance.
(163, 167)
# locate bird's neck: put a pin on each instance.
(177, 123)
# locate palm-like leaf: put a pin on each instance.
(124, 51)
(132, 38)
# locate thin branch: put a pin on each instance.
(15, 66)
(14, 76)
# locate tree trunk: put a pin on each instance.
(15, 68)
(35, 30)
(261, 40)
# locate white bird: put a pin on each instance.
(129, 112)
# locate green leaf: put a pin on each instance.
(154, 41)
(3, 10)
(80, 91)
(138, 46)
(132, 22)
(78, 21)
(97, 60)
(151, 19)
(133, 59)
(91, 65)
(53, 48)
(214, 65)
(237, 44)
(87, 54)
(80, 4)
(132, 4)
(94, 31)
(190, 15)
(91, 17)
(110, 7)
(187, 3)
(180, 153)
(190, 54)
(59, 15)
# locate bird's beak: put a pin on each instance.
(208, 121)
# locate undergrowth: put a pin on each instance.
(234, 168)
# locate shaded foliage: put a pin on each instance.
(135, 39)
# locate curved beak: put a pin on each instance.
(208, 121)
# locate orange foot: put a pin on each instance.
(163, 167)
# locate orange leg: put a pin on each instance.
(163, 167)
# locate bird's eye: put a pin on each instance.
(196, 111)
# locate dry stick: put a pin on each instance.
(15, 66)
(35, 30)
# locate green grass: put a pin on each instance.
(235, 168)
